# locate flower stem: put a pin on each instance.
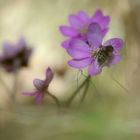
(85, 91)
(125, 89)
(17, 65)
(15, 86)
(76, 91)
(55, 98)
(5, 86)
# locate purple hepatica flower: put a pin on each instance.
(41, 86)
(15, 56)
(92, 53)
(79, 24)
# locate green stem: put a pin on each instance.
(15, 85)
(85, 91)
(91, 82)
(17, 65)
(6, 87)
(76, 91)
(55, 98)
(125, 89)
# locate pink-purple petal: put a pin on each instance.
(49, 76)
(8, 49)
(68, 31)
(79, 63)
(39, 84)
(29, 93)
(21, 42)
(79, 44)
(94, 69)
(97, 16)
(39, 98)
(114, 60)
(28, 54)
(75, 21)
(104, 31)
(83, 16)
(94, 35)
(65, 44)
(104, 22)
(78, 49)
(116, 43)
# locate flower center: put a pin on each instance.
(83, 30)
(103, 54)
(94, 54)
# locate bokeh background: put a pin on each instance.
(109, 112)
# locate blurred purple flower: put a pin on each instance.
(79, 24)
(41, 86)
(92, 53)
(15, 56)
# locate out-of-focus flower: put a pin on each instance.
(41, 86)
(79, 24)
(15, 56)
(92, 53)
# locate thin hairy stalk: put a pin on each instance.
(125, 89)
(78, 78)
(92, 84)
(54, 98)
(5, 86)
(76, 91)
(85, 91)
(15, 82)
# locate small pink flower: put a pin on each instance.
(41, 86)
(79, 24)
(15, 56)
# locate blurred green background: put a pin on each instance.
(109, 111)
